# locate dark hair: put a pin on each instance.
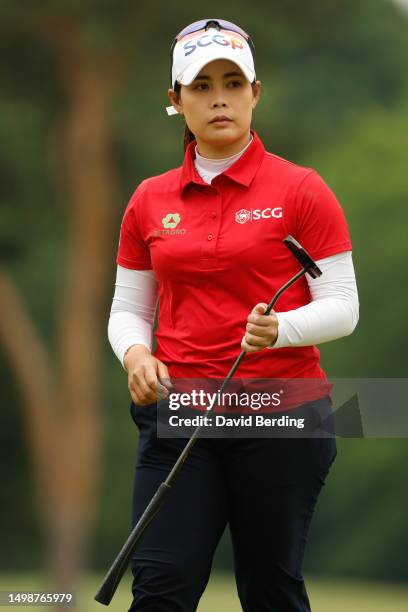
(188, 134)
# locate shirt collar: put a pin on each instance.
(242, 171)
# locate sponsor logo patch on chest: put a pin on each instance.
(170, 223)
(255, 214)
(171, 220)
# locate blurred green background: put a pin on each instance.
(82, 122)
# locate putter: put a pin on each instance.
(118, 567)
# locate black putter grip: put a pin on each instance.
(118, 567)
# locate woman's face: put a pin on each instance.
(220, 88)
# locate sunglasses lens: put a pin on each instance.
(193, 27)
(227, 25)
(200, 25)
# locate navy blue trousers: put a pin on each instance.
(265, 489)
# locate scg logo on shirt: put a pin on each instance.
(244, 215)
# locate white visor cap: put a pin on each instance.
(196, 50)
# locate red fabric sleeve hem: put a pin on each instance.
(332, 250)
(133, 264)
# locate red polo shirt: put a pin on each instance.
(217, 251)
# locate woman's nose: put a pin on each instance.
(218, 102)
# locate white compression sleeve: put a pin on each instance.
(333, 311)
(133, 309)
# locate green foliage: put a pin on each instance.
(366, 169)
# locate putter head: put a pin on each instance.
(302, 256)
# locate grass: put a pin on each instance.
(325, 595)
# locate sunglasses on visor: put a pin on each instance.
(204, 24)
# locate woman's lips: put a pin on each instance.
(221, 121)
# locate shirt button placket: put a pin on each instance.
(209, 248)
(214, 223)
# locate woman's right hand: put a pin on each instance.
(148, 378)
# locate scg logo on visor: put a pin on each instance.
(210, 39)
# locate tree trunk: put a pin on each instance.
(82, 322)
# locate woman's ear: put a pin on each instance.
(175, 100)
(256, 93)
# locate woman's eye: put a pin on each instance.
(235, 83)
(201, 85)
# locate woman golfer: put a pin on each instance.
(206, 240)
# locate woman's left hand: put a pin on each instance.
(261, 330)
